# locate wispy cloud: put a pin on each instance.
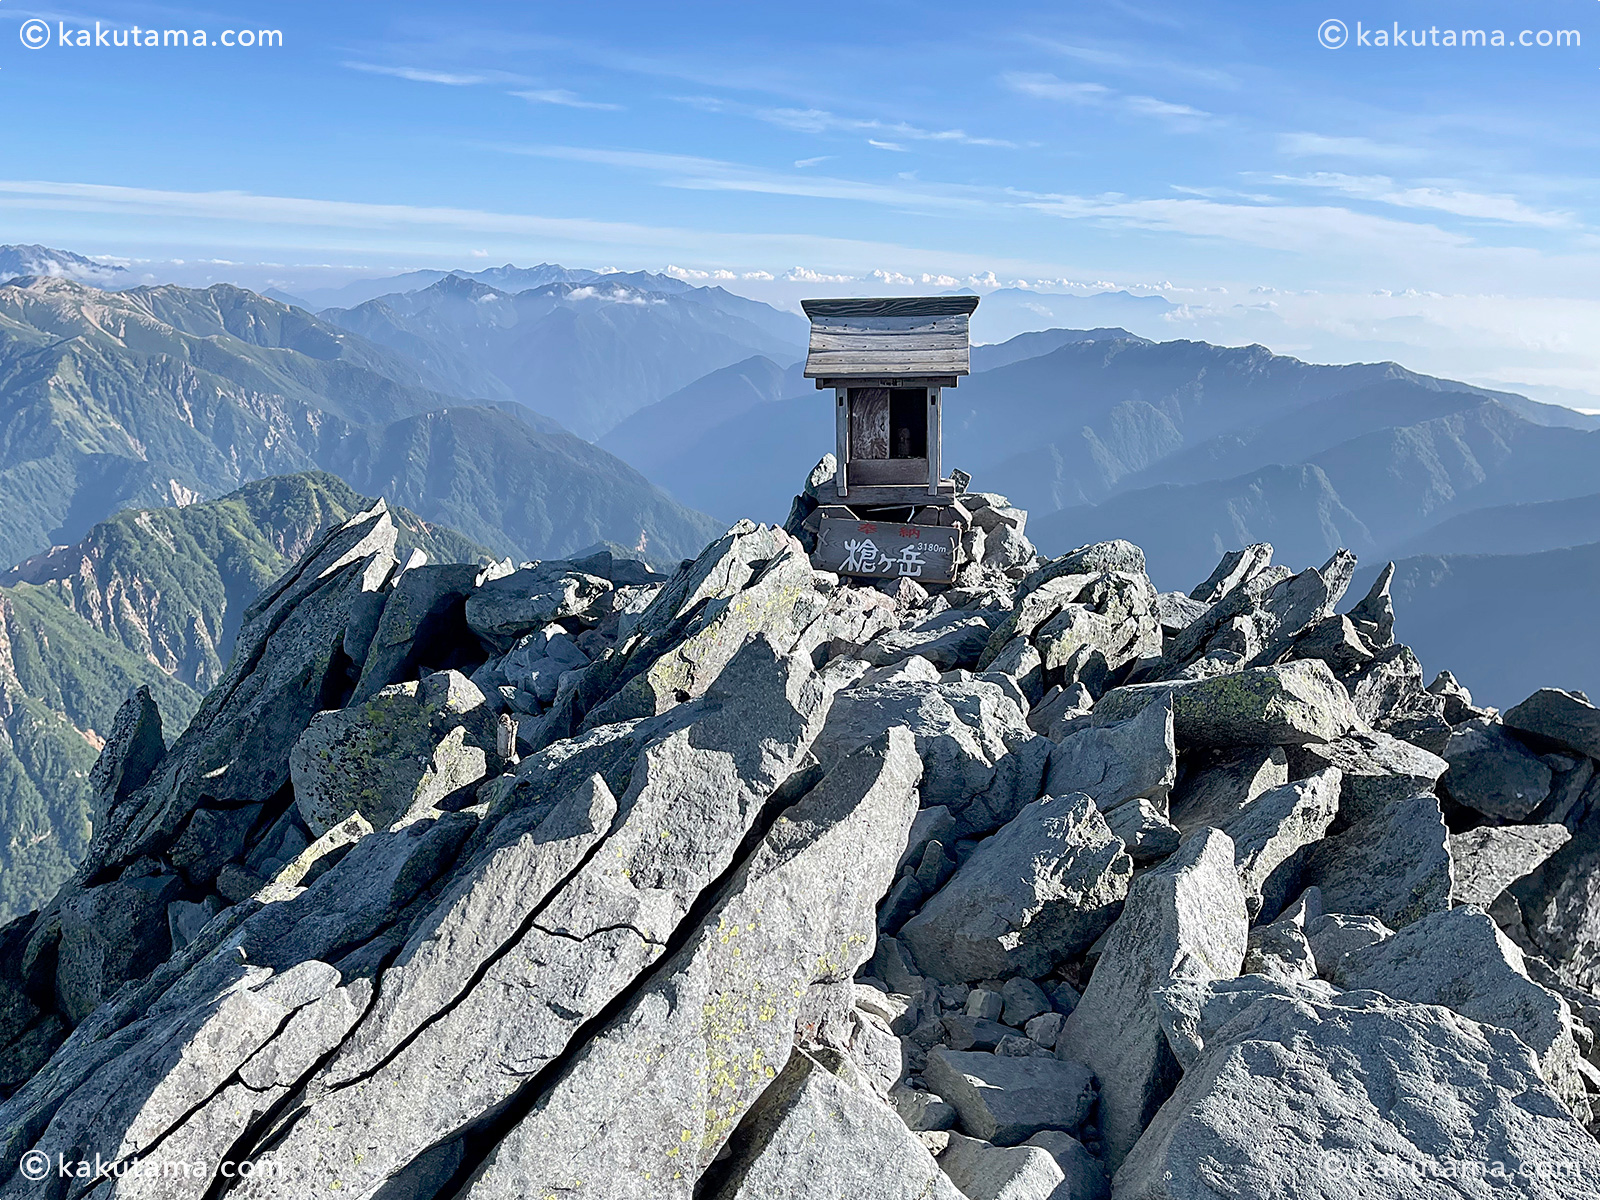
(1483, 206)
(1319, 145)
(886, 145)
(811, 162)
(709, 174)
(418, 74)
(563, 98)
(1138, 64)
(1045, 86)
(820, 121)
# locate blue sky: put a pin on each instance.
(1432, 204)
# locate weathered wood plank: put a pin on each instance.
(935, 440)
(841, 474)
(889, 361)
(869, 423)
(888, 326)
(873, 472)
(885, 550)
(875, 341)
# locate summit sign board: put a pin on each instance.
(886, 550)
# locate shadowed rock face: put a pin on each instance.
(750, 882)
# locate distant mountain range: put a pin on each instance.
(588, 354)
(152, 396)
(60, 264)
(150, 598)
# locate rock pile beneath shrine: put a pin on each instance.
(753, 881)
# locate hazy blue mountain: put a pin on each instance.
(1006, 312)
(587, 354)
(654, 438)
(159, 396)
(1512, 529)
(1505, 625)
(18, 261)
(1185, 529)
(1031, 345)
(507, 278)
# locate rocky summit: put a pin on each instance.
(752, 882)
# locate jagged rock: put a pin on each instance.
(1378, 770)
(1049, 1166)
(922, 1112)
(1177, 611)
(814, 1137)
(694, 793)
(109, 935)
(133, 750)
(1337, 642)
(1374, 616)
(1493, 773)
(948, 640)
(1227, 782)
(1024, 1000)
(754, 579)
(1356, 1095)
(1280, 951)
(1021, 661)
(1489, 859)
(962, 1032)
(984, 1004)
(1060, 705)
(1270, 833)
(422, 625)
(1260, 617)
(1038, 892)
(1143, 830)
(285, 660)
(1393, 865)
(504, 609)
(1005, 1099)
(1236, 568)
(402, 751)
(1293, 704)
(1114, 762)
(1333, 935)
(1184, 919)
(1388, 695)
(1458, 706)
(1565, 719)
(1560, 903)
(1460, 960)
(1120, 556)
(1194, 1012)
(723, 1008)
(972, 738)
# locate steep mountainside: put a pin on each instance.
(149, 598)
(655, 438)
(1512, 529)
(587, 354)
(156, 396)
(1501, 620)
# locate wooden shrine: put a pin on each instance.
(887, 361)
(887, 511)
